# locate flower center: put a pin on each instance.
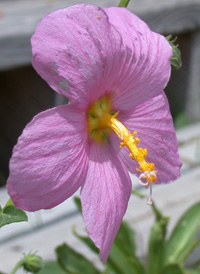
(102, 121)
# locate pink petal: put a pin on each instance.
(104, 196)
(50, 160)
(147, 69)
(153, 122)
(78, 52)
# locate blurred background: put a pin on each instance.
(23, 93)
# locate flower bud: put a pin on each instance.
(176, 62)
(33, 263)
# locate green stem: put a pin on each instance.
(17, 266)
(139, 194)
(124, 3)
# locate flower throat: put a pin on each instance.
(102, 121)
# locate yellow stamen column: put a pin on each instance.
(101, 122)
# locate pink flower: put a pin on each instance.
(113, 69)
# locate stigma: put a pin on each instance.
(102, 121)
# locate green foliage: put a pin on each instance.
(138, 194)
(156, 242)
(164, 256)
(10, 214)
(73, 262)
(78, 204)
(122, 256)
(87, 241)
(172, 269)
(124, 3)
(176, 62)
(192, 271)
(182, 240)
(32, 263)
(52, 268)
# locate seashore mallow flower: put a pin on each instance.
(113, 70)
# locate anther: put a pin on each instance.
(121, 145)
(144, 151)
(137, 140)
(153, 175)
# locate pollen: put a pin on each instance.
(102, 121)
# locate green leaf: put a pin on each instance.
(51, 268)
(86, 240)
(182, 239)
(122, 258)
(172, 269)
(126, 239)
(78, 203)
(156, 243)
(119, 262)
(73, 262)
(10, 214)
